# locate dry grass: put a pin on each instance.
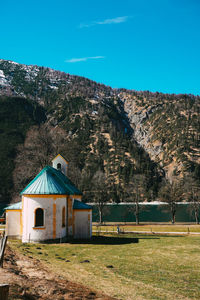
(158, 267)
(149, 228)
(2, 228)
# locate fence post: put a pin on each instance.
(4, 291)
(2, 250)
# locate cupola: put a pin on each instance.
(60, 164)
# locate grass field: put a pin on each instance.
(158, 267)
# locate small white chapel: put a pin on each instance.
(51, 208)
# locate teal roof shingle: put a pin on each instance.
(50, 181)
(80, 205)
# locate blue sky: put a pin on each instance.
(136, 44)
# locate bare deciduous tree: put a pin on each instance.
(172, 193)
(41, 145)
(192, 191)
(100, 192)
(136, 190)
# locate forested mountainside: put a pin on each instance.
(115, 137)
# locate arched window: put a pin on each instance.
(39, 217)
(63, 217)
(59, 166)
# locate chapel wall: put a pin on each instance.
(13, 223)
(82, 224)
(52, 228)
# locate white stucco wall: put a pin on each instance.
(31, 233)
(13, 223)
(82, 224)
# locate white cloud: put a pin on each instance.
(74, 60)
(106, 22)
(113, 21)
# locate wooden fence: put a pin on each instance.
(4, 288)
(3, 242)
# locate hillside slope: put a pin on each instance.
(168, 128)
(119, 132)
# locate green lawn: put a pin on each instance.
(158, 267)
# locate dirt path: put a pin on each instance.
(30, 280)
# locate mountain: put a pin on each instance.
(168, 128)
(119, 132)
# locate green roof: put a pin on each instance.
(81, 205)
(17, 205)
(50, 181)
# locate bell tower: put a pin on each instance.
(60, 164)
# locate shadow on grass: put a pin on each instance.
(103, 240)
(106, 240)
(121, 239)
(97, 240)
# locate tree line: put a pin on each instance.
(43, 143)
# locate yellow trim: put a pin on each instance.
(40, 228)
(73, 223)
(7, 210)
(69, 214)
(69, 211)
(20, 222)
(85, 209)
(61, 157)
(45, 196)
(54, 220)
(76, 196)
(54, 196)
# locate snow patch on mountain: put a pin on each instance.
(3, 80)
